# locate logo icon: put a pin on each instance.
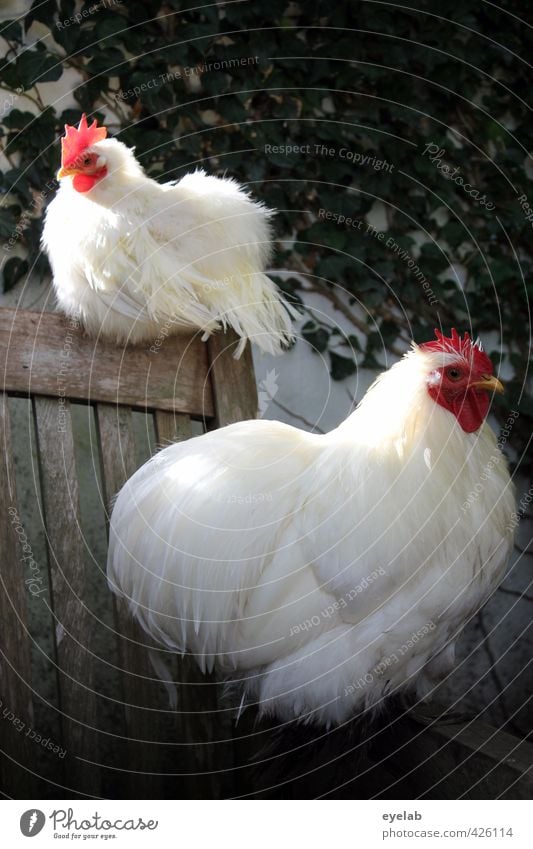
(268, 389)
(32, 822)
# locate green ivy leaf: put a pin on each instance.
(43, 11)
(341, 367)
(318, 337)
(288, 98)
(8, 222)
(14, 269)
(37, 66)
(12, 31)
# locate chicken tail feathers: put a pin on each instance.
(259, 314)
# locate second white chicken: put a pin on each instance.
(325, 572)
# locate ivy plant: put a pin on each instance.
(393, 141)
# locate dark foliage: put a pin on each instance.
(229, 86)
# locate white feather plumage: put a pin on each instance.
(253, 547)
(131, 256)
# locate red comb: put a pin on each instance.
(464, 346)
(76, 140)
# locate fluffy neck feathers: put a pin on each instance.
(397, 413)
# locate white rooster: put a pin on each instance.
(130, 255)
(324, 572)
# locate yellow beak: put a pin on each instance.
(66, 172)
(490, 383)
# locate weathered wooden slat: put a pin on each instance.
(16, 709)
(117, 445)
(488, 763)
(232, 381)
(141, 692)
(452, 760)
(48, 354)
(481, 762)
(72, 618)
(171, 427)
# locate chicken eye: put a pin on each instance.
(454, 373)
(86, 160)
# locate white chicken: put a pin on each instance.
(324, 572)
(131, 256)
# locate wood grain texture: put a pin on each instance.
(47, 354)
(481, 761)
(16, 759)
(171, 427)
(141, 691)
(233, 381)
(117, 446)
(449, 760)
(71, 617)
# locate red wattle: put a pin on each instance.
(83, 182)
(471, 410)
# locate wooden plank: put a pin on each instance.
(232, 381)
(48, 354)
(140, 687)
(16, 709)
(448, 760)
(117, 446)
(171, 427)
(73, 620)
(482, 762)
